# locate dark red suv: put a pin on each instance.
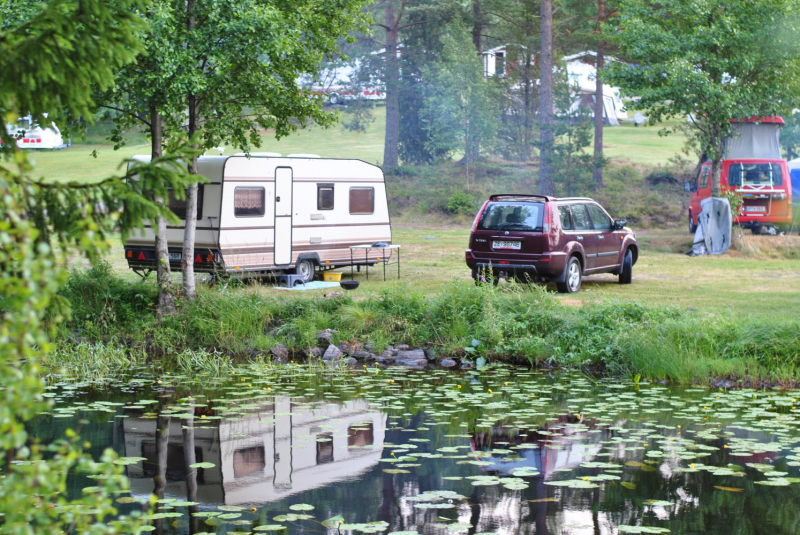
(545, 239)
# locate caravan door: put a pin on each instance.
(283, 216)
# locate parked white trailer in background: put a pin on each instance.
(269, 215)
(30, 135)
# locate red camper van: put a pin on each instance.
(752, 167)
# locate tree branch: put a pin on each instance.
(126, 112)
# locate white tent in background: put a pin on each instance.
(582, 75)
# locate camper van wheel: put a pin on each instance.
(756, 230)
(306, 269)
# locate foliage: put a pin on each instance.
(571, 165)
(736, 201)
(49, 62)
(360, 116)
(713, 60)
(460, 110)
(461, 203)
(790, 134)
(511, 322)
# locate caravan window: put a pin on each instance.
(178, 206)
(248, 201)
(362, 200)
(324, 196)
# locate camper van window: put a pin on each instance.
(178, 206)
(248, 201)
(704, 174)
(755, 174)
(324, 196)
(362, 200)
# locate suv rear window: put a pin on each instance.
(512, 216)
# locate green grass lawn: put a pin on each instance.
(640, 145)
(733, 283)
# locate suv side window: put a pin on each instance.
(600, 220)
(581, 217)
(566, 220)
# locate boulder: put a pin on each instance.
(280, 351)
(465, 365)
(350, 362)
(430, 353)
(312, 353)
(402, 347)
(324, 337)
(414, 354)
(417, 364)
(447, 363)
(348, 348)
(362, 355)
(332, 353)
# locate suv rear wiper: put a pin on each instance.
(521, 227)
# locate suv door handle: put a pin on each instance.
(601, 236)
(580, 238)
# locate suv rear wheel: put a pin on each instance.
(572, 282)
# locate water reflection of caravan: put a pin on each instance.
(265, 456)
(30, 135)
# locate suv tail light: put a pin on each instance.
(478, 217)
(547, 220)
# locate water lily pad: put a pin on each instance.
(642, 529)
(202, 465)
(269, 527)
(301, 507)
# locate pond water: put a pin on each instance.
(506, 450)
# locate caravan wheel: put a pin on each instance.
(306, 269)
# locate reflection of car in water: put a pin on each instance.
(264, 456)
(544, 459)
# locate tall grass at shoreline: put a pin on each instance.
(512, 323)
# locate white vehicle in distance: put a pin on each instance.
(30, 135)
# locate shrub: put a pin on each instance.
(461, 203)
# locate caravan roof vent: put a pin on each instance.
(270, 154)
(303, 156)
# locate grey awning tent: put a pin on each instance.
(713, 235)
(754, 140)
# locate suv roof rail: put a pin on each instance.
(520, 196)
(575, 199)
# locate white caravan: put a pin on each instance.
(269, 214)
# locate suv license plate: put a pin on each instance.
(175, 257)
(755, 208)
(507, 245)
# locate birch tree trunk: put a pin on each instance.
(187, 258)
(392, 140)
(546, 186)
(166, 303)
